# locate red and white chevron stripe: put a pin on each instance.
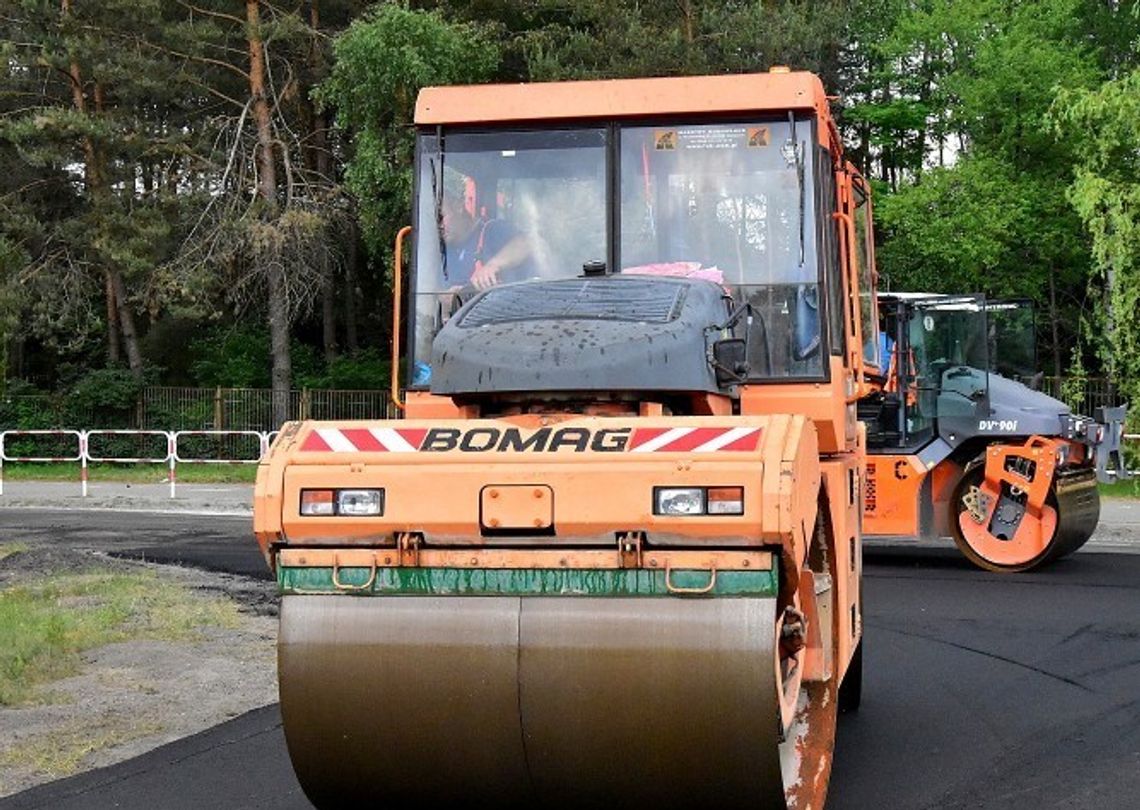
(694, 440)
(641, 440)
(365, 440)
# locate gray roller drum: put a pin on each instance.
(421, 701)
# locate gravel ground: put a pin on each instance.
(219, 499)
(133, 696)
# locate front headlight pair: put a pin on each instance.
(679, 501)
(342, 502)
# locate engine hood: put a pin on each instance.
(610, 333)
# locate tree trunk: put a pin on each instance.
(351, 339)
(282, 371)
(119, 315)
(127, 324)
(323, 168)
(328, 284)
(113, 350)
(118, 288)
(687, 30)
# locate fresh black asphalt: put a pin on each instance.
(980, 691)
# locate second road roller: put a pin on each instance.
(609, 555)
(960, 446)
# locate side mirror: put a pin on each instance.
(730, 361)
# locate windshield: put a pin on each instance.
(1012, 339)
(728, 203)
(501, 207)
(947, 341)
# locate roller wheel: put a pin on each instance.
(1069, 517)
(418, 701)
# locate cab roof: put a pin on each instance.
(621, 98)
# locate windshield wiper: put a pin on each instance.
(437, 201)
(793, 153)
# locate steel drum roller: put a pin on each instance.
(531, 701)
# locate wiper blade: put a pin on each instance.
(794, 153)
(437, 201)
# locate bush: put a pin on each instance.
(232, 356)
(365, 370)
(238, 357)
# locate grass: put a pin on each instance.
(133, 473)
(1121, 489)
(8, 549)
(61, 752)
(45, 625)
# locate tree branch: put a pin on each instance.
(202, 59)
(207, 12)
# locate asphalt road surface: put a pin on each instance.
(981, 691)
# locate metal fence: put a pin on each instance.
(174, 408)
(117, 446)
(1084, 395)
(252, 408)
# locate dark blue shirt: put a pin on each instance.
(462, 256)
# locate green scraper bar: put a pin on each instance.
(523, 582)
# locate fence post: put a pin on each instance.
(170, 447)
(305, 404)
(218, 408)
(83, 463)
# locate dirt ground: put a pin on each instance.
(133, 696)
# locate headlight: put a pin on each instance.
(679, 501)
(346, 502)
(698, 500)
(360, 502)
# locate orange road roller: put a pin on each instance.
(960, 446)
(610, 552)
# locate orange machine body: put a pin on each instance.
(570, 482)
(477, 506)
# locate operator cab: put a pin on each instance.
(740, 208)
(941, 355)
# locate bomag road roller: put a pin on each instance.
(610, 554)
(960, 446)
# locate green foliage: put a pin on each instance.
(1000, 136)
(232, 356)
(382, 61)
(949, 231)
(974, 80)
(599, 39)
(1103, 124)
(238, 357)
(366, 370)
(106, 389)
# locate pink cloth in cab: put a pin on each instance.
(677, 270)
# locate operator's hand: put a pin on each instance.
(487, 275)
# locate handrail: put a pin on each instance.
(397, 294)
(855, 336)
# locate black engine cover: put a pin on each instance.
(614, 333)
